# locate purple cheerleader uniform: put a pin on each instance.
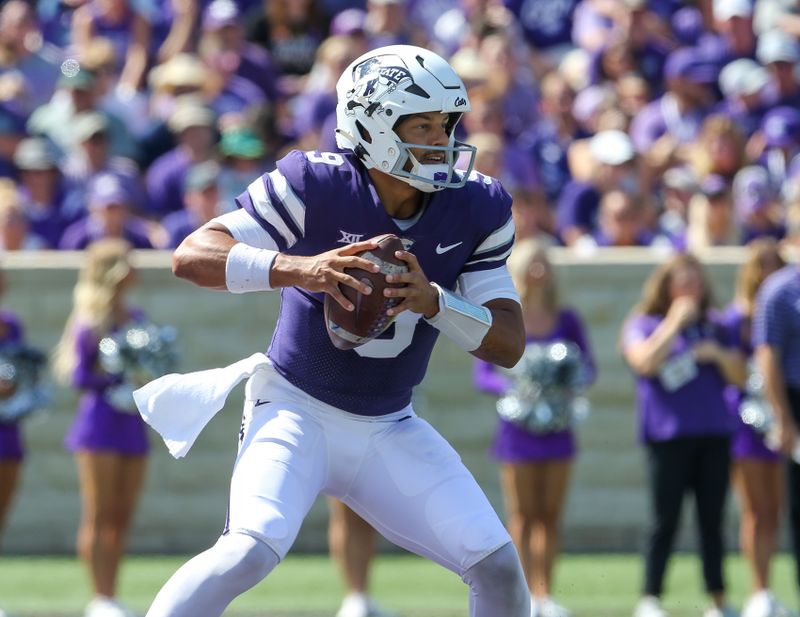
(10, 435)
(99, 426)
(746, 443)
(512, 443)
(685, 399)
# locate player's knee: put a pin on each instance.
(245, 559)
(501, 571)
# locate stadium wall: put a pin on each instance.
(184, 502)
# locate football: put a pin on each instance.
(349, 329)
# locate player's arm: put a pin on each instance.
(485, 321)
(234, 253)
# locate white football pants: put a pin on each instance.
(395, 471)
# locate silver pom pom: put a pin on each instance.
(138, 353)
(548, 381)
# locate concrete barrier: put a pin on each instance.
(184, 502)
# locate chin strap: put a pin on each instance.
(463, 322)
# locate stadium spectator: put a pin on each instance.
(109, 216)
(780, 53)
(201, 203)
(712, 220)
(776, 143)
(743, 83)
(757, 472)
(90, 157)
(244, 156)
(683, 360)
(622, 221)
(291, 31)
(496, 158)
(77, 94)
(613, 159)
(676, 116)
(547, 28)
(351, 541)
(535, 463)
(110, 443)
(237, 62)
(719, 149)
(757, 205)
(26, 58)
(678, 185)
(194, 127)
(15, 232)
(511, 81)
(127, 27)
(731, 33)
(547, 140)
(47, 207)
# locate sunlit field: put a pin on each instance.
(307, 586)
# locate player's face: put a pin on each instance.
(429, 129)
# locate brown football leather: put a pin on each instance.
(349, 329)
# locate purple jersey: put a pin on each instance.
(512, 443)
(314, 202)
(10, 434)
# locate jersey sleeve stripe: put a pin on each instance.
(498, 238)
(245, 202)
(265, 209)
(295, 208)
(498, 257)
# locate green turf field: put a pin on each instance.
(307, 586)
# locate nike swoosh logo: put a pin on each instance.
(440, 250)
(259, 402)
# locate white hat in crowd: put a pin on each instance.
(611, 147)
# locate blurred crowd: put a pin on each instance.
(664, 123)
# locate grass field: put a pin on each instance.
(307, 586)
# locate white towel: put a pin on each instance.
(178, 406)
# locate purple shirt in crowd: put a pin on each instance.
(178, 225)
(660, 117)
(82, 233)
(11, 448)
(545, 23)
(293, 205)
(746, 442)
(512, 443)
(50, 221)
(165, 180)
(685, 399)
(98, 426)
(578, 206)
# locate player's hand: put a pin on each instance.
(418, 295)
(325, 272)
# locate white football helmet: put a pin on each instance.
(383, 86)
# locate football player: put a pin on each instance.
(341, 423)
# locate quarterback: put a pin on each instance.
(320, 420)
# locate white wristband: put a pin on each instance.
(463, 322)
(247, 268)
